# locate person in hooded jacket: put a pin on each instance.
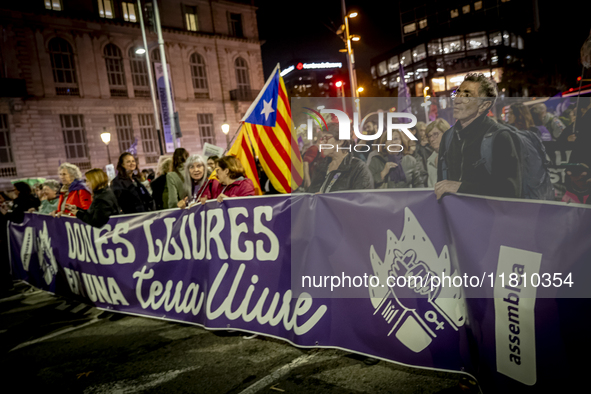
(73, 191)
(104, 203)
(231, 181)
(132, 195)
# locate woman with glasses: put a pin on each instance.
(434, 133)
(339, 170)
(196, 174)
(391, 169)
(231, 181)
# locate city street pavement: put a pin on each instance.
(57, 344)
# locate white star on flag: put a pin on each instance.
(267, 109)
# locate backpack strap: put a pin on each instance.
(486, 148)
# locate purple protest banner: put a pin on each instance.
(255, 264)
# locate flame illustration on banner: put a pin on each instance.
(413, 255)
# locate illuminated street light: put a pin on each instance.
(106, 137)
(360, 89)
(140, 51)
(225, 128)
(355, 38)
(339, 84)
(353, 15)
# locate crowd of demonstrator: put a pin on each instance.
(181, 181)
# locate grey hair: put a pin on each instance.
(72, 169)
(188, 181)
(537, 111)
(52, 184)
(438, 123)
(488, 87)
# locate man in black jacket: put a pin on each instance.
(460, 168)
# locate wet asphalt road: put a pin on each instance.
(53, 343)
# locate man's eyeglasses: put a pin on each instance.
(434, 135)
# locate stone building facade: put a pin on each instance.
(70, 71)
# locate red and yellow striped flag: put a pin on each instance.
(268, 123)
(243, 152)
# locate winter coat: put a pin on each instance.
(131, 195)
(158, 185)
(241, 187)
(78, 195)
(175, 184)
(49, 206)
(412, 170)
(464, 162)
(20, 205)
(104, 205)
(352, 174)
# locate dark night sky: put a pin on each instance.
(297, 30)
(301, 30)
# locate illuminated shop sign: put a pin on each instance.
(307, 66)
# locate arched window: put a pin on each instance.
(114, 63)
(199, 76)
(62, 64)
(139, 73)
(242, 80)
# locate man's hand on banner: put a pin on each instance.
(446, 187)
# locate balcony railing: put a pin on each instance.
(7, 170)
(118, 92)
(243, 94)
(141, 93)
(67, 91)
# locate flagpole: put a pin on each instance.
(233, 138)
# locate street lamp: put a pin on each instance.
(226, 130)
(360, 89)
(140, 51)
(350, 57)
(106, 137)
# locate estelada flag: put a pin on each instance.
(242, 150)
(268, 123)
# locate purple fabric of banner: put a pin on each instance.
(241, 264)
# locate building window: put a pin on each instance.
(476, 41)
(419, 53)
(75, 138)
(129, 13)
(114, 63)
(124, 132)
(62, 64)
(242, 79)
(393, 64)
(382, 68)
(139, 74)
(191, 18)
(405, 59)
(478, 5)
(454, 13)
(55, 5)
(199, 76)
(7, 167)
(149, 137)
(466, 9)
(410, 28)
(206, 132)
(235, 21)
(423, 23)
(453, 44)
(495, 39)
(373, 71)
(434, 47)
(105, 9)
